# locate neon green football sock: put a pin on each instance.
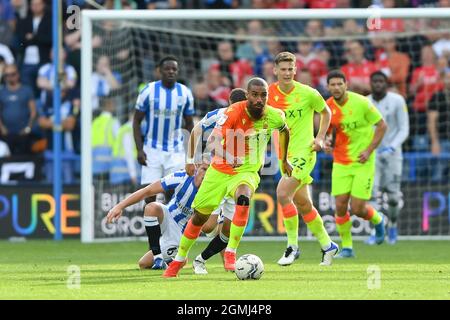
(345, 233)
(236, 233)
(318, 229)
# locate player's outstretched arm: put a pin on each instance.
(380, 130)
(192, 148)
(284, 144)
(141, 194)
(325, 119)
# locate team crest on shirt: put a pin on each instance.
(243, 121)
(276, 98)
(265, 125)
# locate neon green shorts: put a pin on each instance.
(303, 164)
(356, 180)
(217, 185)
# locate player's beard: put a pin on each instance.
(256, 111)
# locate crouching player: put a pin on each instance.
(164, 224)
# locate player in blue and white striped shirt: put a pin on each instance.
(164, 104)
(165, 224)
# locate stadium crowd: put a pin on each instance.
(417, 66)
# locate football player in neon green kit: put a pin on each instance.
(239, 141)
(299, 102)
(353, 119)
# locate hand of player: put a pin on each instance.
(287, 168)
(364, 156)
(113, 214)
(142, 158)
(327, 148)
(318, 144)
(190, 169)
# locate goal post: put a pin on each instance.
(193, 35)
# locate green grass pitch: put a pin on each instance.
(409, 270)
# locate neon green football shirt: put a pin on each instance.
(354, 122)
(298, 105)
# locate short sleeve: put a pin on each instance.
(225, 121)
(318, 103)
(279, 120)
(172, 180)
(372, 115)
(189, 109)
(142, 102)
(210, 119)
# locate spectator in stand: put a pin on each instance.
(46, 78)
(439, 128)
(267, 72)
(104, 80)
(425, 80)
(249, 50)
(273, 48)
(234, 71)
(394, 64)
(314, 62)
(70, 107)
(202, 100)
(17, 112)
(358, 69)
(35, 36)
(20, 8)
(217, 90)
(7, 22)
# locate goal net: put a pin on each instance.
(219, 50)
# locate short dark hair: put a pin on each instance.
(379, 73)
(167, 58)
(237, 95)
(336, 74)
(256, 82)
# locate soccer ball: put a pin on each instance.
(249, 267)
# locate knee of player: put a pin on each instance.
(199, 219)
(243, 200)
(283, 195)
(145, 263)
(151, 209)
(304, 205)
(341, 208)
(357, 209)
